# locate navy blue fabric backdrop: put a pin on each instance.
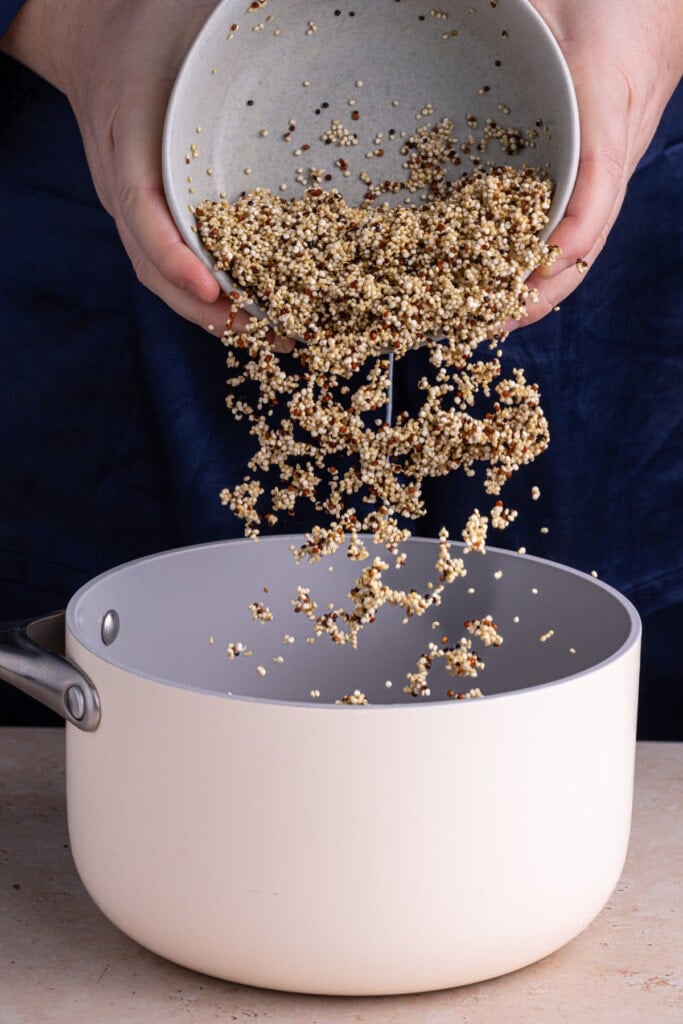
(115, 441)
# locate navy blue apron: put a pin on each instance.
(115, 440)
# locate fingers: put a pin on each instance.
(602, 173)
(550, 295)
(140, 204)
(551, 292)
(211, 315)
(144, 211)
(282, 344)
(237, 322)
(162, 261)
(214, 316)
(602, 178)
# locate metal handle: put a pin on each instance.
(32, 659)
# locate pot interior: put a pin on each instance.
(179, 611)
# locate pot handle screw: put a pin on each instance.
(110, 627)
(31, 658)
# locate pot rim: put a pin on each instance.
(632, 639)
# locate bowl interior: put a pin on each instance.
(373, 65)
(180, 610)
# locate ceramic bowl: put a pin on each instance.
(373, 65)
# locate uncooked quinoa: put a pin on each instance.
(356, 285)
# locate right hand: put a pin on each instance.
(625, 60)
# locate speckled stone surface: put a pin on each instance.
(61, 960)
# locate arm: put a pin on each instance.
(8, 11)
(116, 61)
(626, 59)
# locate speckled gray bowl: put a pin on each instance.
(381, 59)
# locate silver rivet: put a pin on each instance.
(110, 627)
(75, 702)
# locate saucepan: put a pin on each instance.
(226, 812)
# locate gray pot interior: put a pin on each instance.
(179, 611)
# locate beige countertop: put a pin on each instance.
(62, 961)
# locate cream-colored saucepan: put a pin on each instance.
(233, 823)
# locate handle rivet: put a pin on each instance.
(75, 702)
(110, 627)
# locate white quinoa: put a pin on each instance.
(357, 697)
(486, 630)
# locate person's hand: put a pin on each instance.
(116, 61)
(626, 60)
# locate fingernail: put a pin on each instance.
(283, 345)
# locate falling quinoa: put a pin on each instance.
(356, 285)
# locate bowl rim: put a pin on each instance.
(178, 207)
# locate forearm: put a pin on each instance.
(27, 38)
(655, 21)
(116, 61)
(8, 11)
